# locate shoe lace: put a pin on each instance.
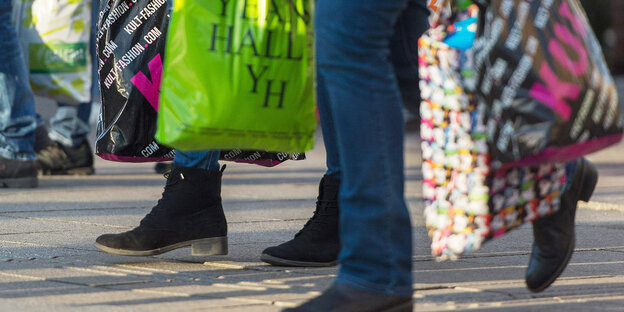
(317, 223)
(159, 212)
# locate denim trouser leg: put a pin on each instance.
(327, 126)
(17, 106)
(404, 53)
(70, 124)
(404, 57)
(359, 98)
(202, 159)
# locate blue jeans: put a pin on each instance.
(360, 105)
(201, 160)
(70, 124)
(17, 105)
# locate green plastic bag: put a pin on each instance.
(238, 74)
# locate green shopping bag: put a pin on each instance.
(238, 74)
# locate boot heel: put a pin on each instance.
(590, 179)
(210, 246)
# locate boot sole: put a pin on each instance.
(28, 182)
(213, 246)
(292, 263)
(588, 185)
(559, 270)
(73, 171)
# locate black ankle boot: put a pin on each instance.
(188, 214)
(318, 243)
(554, 235)
(342, 297)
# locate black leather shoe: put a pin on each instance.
(554, 235)
(188, 214)
(318, 243)
(56, 159)
(342, 297)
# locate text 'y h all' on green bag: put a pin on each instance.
(239, 75)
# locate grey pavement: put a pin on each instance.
(48, 262)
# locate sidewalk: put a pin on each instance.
(48, 263)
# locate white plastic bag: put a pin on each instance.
(55, 39)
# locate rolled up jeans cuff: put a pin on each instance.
(9, 153)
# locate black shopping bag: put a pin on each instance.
(543, 77)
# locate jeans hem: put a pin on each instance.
(59, 138)
(16, 156)
(404, 291)
(208, 160)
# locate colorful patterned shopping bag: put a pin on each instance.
(467, 201)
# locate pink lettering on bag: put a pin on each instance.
(576, 67)
(554, 92)
(150, 89)
(577, 23)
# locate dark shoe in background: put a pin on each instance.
(18, 173)
(318, 243)
(554, 235)
(56, 159)
(342, 297)
(163, 167)
(188, 214)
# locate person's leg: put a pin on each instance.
(188, 214)
(404, 56)
(17, 110)
(64, 148)
(318, 243)
(70, 124)
(208, 160)
(353, 40)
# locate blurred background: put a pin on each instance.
(607, 19)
